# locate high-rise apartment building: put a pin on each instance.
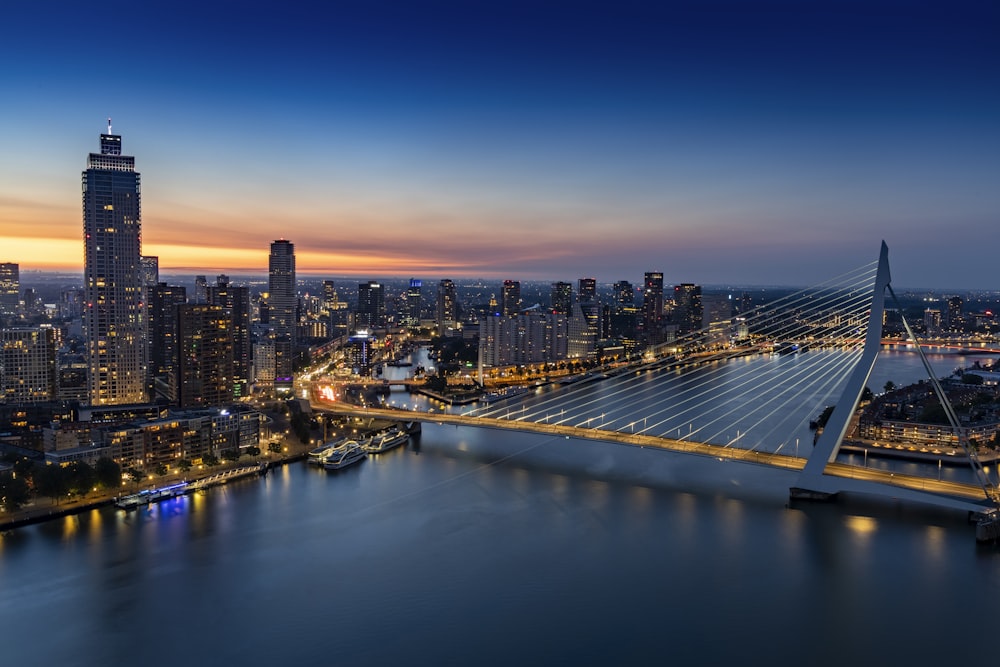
(282, 309)
(235, 302)
(562, 298)
(411, 317)
(529, 337)
(587, 290)
(28, 365)
(164, 300)
(447, 305)
(10, 288)
(113, 282)
(688, 309)
(205, 367)
(371, 305)
(652, 305)
(623, 318)
(955, 316)
(510, 300)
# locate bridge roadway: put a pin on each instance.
(956, 495)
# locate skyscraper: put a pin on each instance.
(235, 302)
(447, 305)
(283, 303)
(113, 281)
(688, 310)
(413, 303)
(652, 305)
(562, 298)
(205, 365)
(10, 288)
(164, 300)
(371, 305)
(587, 290)
(511, 298)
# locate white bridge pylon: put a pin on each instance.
(812, 482)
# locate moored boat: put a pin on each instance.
(317, 455)
(394, 437)
(350, 453)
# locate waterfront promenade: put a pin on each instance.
(45, 509)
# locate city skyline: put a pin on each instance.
(772, 145)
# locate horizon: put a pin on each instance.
(262, 275)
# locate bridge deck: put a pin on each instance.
(839, 476)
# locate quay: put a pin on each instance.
(181, 488)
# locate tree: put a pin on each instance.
(184, 465)
(889, 386)
(51, 481)
(160, 469)
(274, 447)
(81, 477)
(13, 491)
(108, 473)
(210, 460)
(866, 395)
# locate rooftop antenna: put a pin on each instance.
(109, 124)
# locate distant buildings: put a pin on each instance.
(113, 277)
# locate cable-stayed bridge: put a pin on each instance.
(741, 390)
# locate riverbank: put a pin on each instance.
(47, 509)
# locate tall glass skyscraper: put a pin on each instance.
(10, 288)
(113, 278)
(283, 302)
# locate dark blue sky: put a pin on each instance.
(770, 142)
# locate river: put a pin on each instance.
(485, 547)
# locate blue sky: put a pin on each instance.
(718, 142)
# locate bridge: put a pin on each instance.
(729, 397)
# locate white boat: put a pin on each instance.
(394, 437)
(316, 456)
(350, 453)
